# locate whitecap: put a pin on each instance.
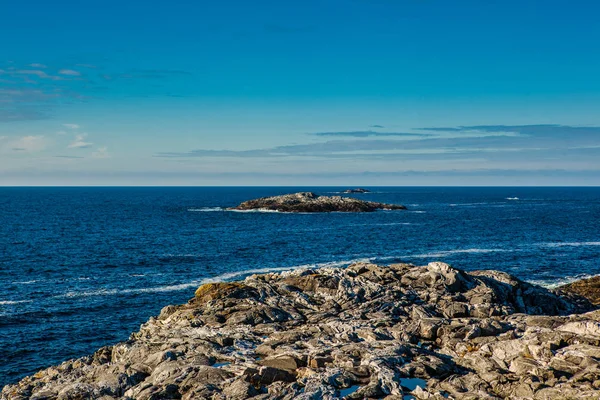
(467, 204)
(569, 244)
(25, 282)
(554, 283)
(258, 210)
(11, 302)
(206, 209)
(446, 253)
(512, 198)
(195, 283)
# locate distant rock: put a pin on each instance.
(311, 202)
(365, 331)
(357, 190)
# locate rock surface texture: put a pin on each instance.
(365, 331)
(588, 288)
(311, 202)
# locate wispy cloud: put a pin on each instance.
(71, 126)
(539, 130)
(15, 114)
(28, 104)
(376, 126)
(69, 72)
(530, 143)
(79, 142)
(37, 65)
(371, 133)
(35, 72)
(29, 143)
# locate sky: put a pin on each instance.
(328, 92)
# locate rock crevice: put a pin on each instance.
(365, 331)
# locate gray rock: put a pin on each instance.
(312, 334)
(311, 202)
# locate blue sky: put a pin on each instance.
(354, 92)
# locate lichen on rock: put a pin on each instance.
(365, 331)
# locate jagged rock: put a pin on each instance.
(588, 288)
(315, 334)
(311, 202)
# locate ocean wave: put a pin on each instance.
(260, 210)
(25, 282)
(418, 212)
(206, 209)
(512, 198)
(569, 244)
(446, 253)
(195, 283)
(11, 302)
(554, 283)
(466, 204)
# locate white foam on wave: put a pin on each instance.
(418, 212)
(569, 244)
(467, 204)
(195, 283)
(25, 282)
(258, 210)
(11, 302)
(206, 209)
(554, 283)
(512, 198)
(446, 253)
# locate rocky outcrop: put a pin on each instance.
(311, 202)
(588, 288)
(357, 190)
(365, 331)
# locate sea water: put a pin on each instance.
(81, 268)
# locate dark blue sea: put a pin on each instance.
(83, 267)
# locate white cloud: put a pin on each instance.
(26, 143)
(37, 65)
(61, 133)
(38, 73)
(79, 142)
(102, 152)
(71, 126)
(69, 72)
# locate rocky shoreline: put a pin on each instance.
(366, 331)
(308, 202)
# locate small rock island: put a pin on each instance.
(365, 331)
(357, 190)
(311, 202)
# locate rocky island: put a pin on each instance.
(366, 331)
(311, 202)
(357, 190)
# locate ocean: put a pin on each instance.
(81, 268)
